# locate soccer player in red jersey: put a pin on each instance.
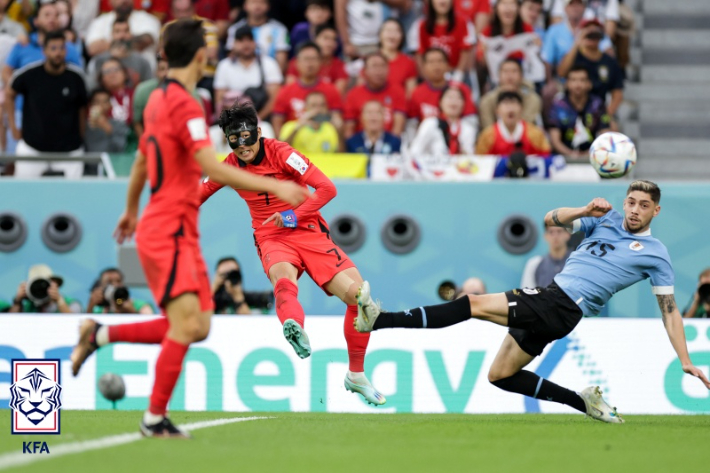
(174, 150)
(292, 240)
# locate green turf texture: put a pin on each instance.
(304, 442)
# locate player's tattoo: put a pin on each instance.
(557, 220)
(666, 302)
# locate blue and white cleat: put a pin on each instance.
(598, 408)
(298, 338)
(363, 387)
(367, 309)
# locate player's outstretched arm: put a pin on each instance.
(673, 323)
(129, 220)
(564, 216)
(230, 176)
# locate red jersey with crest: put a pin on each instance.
(391, 96)
(425, 101)
(278, 160)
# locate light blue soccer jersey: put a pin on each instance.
(610, 259)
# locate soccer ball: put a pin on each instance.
(112, 387)
(612, 154)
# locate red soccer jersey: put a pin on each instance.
(391, 96)
(214, 10)
(460, 38)
(402, 68)
(292, 98)
(425, 101)
(329, 72)
(470, 8)
(175, 129)
(278, 160)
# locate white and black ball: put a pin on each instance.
(112, 387)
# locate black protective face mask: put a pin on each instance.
(249, 141)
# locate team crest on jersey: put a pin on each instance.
(531, 291)
(636, 246)
(297, 163)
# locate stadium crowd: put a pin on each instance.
(431, 76)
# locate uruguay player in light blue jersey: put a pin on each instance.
(617, 251)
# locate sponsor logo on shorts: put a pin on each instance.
(531, 291)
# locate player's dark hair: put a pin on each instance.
(307, 45)
(181, 41)
(705, 273)
(430, 51)
(52, 35)
(111, 270)
(324, 27)
(577, 68)
(225, 260)
(430, 21)
(511, 60)
(400, 46)
(497, 25)
(650, 188)
(241, 111)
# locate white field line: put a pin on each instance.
(9, 460)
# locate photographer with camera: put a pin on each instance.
(40, 294)
(699, 307)
(109, 295)
(228, 292)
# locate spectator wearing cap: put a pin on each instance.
(511, 133)
(577, 116)
(40, 294)
(606, 11)
(144, 27)
(270, 35)
(604, 72)
(373, 139)
(332, 68)
(312, 132)
(376, 87)
(560, 37)
(699, 306)
(247, 73)
(447, 133)
(291, 100)
(510, 74)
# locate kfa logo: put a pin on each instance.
(35, 447)
(35, 397)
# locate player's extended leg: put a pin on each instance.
(284, 277)
(93, 335)
(490, 307)
(345, 285)
(188, 324)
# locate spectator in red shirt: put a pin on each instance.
(424, 102)
(477, 12)
(159, 8)
(290, 100)
(512, 133)
(442, 28)
(113, 76)
(403, 69)
(376, 87)
(216, 11)
(333, 68)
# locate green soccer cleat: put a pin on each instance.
(367, 309)
(598, 408)
(363, 387)
(298, 338)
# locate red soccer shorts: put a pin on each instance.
(308, 250)
(173, 266)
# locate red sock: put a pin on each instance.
(167, 371)
(287, 305)
(357, 342)
(152, 331)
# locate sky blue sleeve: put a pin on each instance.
(585, 224)
(13, 59)
(548, 48)
(662, 276)
(73, 56)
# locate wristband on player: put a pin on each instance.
(289, 218)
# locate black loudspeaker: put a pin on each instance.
(401, 234)
(61, 232)
(13, 232)
(348, 232)
(517, 234)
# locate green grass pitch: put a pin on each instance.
(304, 442)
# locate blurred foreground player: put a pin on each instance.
(291, 240)
(618, 251)
(173, 152)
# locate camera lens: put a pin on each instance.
(37, 291)
(120, 295)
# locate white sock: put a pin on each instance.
(151, 419)
(357, 376)
(102, 336)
